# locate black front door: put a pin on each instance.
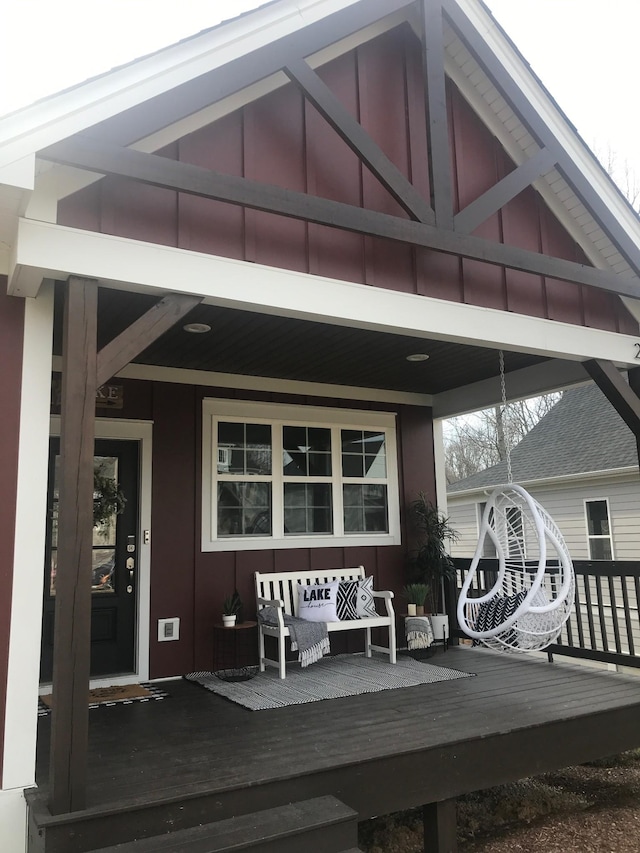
(114, 565)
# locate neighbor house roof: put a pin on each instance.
(581, 434)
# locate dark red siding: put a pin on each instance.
(281, 139)
(11, 336)
(191, 584)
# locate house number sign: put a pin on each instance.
(637, 355)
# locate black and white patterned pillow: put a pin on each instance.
(365, 605)
(346, 604)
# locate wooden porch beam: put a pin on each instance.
(159, 171)
(358, 140)
(437, 112)
(142, 333)
(509, 187)
(72, 633)
(440, 822)
(617, 391)
(533, 121)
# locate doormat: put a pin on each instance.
(118, 694)
(329, 678)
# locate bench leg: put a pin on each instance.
(392, 641)
(281, 657)
(261, 650)
(367, 648)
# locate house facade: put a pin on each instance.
(246, 277)
(581, 463)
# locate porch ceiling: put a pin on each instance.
(254, 344)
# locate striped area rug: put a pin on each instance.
(329, 678)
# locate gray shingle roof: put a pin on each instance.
(582, 433)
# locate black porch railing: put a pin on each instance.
(605, 622)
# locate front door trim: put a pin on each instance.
(141, 431)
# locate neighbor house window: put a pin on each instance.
(599, 529)
(280, 476)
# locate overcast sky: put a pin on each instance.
(587, 59)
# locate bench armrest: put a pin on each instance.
(387, 595)
(277, 604)
(268, 602)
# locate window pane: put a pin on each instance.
(244, 448)
(600, 549)
(307, 508)
(365, 508)
(244, 509)
(598, 518)
(363, 454)
(307, 451)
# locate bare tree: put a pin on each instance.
(478, 441)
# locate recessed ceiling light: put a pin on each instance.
(197, 328)
(418, 356)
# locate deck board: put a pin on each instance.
(194, 751)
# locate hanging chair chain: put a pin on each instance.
(507, 443)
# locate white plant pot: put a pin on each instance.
(440, 626)
(229, 621)
(411, 609)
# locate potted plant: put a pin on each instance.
(429, 562)
(231, 606)
(416, 595)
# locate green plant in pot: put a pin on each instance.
(429, 562)
(416, 595)
(231, 607)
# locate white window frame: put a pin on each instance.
(592, 536)
(276, 414)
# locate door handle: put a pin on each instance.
(130, 564)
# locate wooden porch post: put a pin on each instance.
(71, 656)
(440, 820)
(634, 384)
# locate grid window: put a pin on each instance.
(599, 530)
(273, 479)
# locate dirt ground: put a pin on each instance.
(590, 809)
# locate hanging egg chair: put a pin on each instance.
(532, 594)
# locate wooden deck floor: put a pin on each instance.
(195, 757)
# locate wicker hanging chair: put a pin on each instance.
(531, 596)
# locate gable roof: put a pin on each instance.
(480, 60)
(581, 434)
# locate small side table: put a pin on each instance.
(235, 651)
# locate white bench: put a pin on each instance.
(280, 590)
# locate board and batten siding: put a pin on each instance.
(565, 503)
(281, 139)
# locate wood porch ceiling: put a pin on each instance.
(253, 344)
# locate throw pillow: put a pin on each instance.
(317, 602)
(365, 605)
(347, 604)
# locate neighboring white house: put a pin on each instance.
(581, 463)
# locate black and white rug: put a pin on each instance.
(329, 678)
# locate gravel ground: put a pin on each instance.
(587, 809)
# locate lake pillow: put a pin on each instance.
(317, 602)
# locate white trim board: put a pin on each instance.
(28, 558)
(141, 431)
(59, 251)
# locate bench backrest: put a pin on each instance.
(284, 585)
